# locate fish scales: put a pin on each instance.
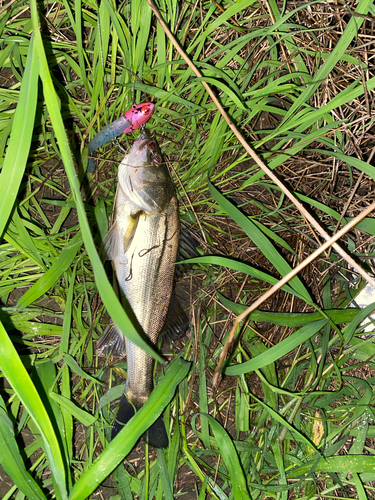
(143, 245)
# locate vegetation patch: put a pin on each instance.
(264, 115)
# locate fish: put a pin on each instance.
(132, 120)
(143, 245)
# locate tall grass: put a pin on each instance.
(292, 415)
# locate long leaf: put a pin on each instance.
(279, 350)
(229, 453)
(260, 240)
(20, 138)
(343, 464)
(242, 267)
(51, 276)
(338, 316)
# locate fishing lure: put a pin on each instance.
(133, 119)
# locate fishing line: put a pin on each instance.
(145, 251)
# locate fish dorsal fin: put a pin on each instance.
(188, 249)
(108, 249)
(177, 322)
(131, 229)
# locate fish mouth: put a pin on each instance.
(144, 134)
(147, 141)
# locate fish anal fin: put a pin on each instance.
(111, 342)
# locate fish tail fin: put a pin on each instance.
(156, 435)
(125, 413)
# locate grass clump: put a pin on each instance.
(290, 413)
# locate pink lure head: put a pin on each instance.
(138, 115)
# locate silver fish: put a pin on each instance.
(142, 244)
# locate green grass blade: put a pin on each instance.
(280, 419)
(261, 241)
(360, 489)
(67, 323)
(50, 277)
(75, 368)
(81, 415)
(343, 464)
(203, 397)
(338, 316)
(20, 138)
(164, 476)
(277, 351)
(217, 260)
(24, 239)
(77, 23)
(19, 379)
(230, 457)
(122, 482)
(67, 416)
(44, 379)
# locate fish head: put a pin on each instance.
(144, 177)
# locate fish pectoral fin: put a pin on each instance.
(111, 342)
(131, 229)
(108, 249)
